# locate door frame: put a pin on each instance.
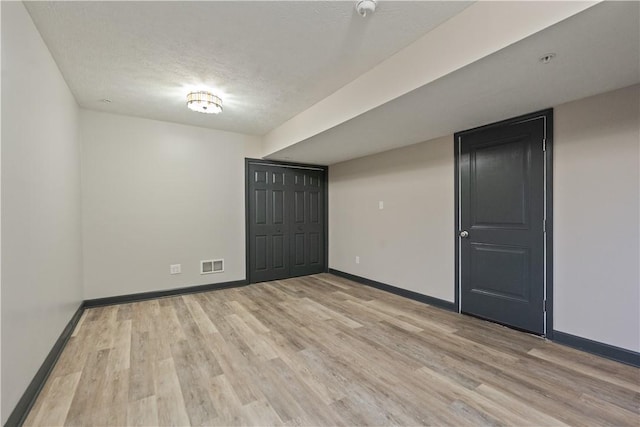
(547, 117)
(291, 165)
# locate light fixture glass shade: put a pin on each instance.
(204, 102)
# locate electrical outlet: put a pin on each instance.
(175, 269)
(357, 260)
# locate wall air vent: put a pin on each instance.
(211, 266)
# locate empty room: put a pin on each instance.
(320, 213)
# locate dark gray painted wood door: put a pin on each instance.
(502, 213)
(286, 222)
(307, 222)
(268, 223)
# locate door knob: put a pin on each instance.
(464, 234)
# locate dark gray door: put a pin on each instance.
(269, 193)
(307, 222)
(502, 223)
(286, 235)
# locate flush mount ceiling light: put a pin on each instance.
(204, 102)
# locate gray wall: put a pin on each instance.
(597, 226)
(155, 194)
(41, 243)
(410, 243)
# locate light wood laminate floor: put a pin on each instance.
(321, 350)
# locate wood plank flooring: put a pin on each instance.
(321, 350)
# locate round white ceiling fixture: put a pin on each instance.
(204, 102)
(364, 7)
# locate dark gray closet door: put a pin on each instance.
(501, 219)
(269, 210)
(286, 233)
(307, 222)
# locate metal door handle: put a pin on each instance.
(464, 234)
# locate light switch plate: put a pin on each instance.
(175, 269)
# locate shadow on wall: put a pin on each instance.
(400, 160)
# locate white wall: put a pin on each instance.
(596, 209)
(408, 244)
(41, 242)
(155, 194)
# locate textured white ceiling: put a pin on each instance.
(267, 60)
(598, 50)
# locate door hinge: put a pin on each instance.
(544, 144)
(544, 225)
(544, 306)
